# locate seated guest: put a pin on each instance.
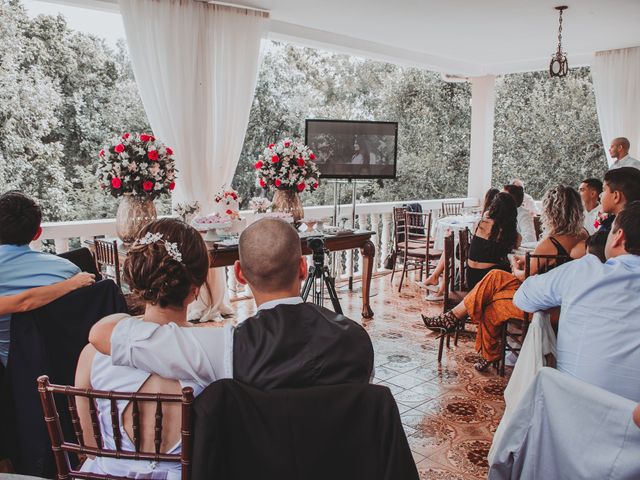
(433, 279)
(286, 344)
(598, 340)
(620, 186)
(495, 236)
(590, 190)
(527, 203)
(489, 304)
(40, 296)
(166, 266)
(526, 227)
(20, 267)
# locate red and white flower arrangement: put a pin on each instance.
(137, 164)
(287, 165)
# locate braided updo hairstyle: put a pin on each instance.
(158, 278)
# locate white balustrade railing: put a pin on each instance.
(369, 216)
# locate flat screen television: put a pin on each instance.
(353, 149)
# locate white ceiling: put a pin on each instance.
(468, 37)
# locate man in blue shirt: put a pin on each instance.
(599, 328)
(20, 267)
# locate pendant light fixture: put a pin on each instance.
(559, 66)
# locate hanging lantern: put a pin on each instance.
(559, 66)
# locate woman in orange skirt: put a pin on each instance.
(489, 304)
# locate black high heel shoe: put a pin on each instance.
(481, 365)
(445, 322)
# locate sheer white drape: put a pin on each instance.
(616, 81)
(196, 67)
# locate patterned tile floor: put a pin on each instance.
(449, 411)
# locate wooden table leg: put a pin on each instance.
(368, 251)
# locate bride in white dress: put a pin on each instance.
(166, 267)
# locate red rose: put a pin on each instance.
(275, 159)
(312, 156)
(152, 138)
(228, 212)
(119, 148)
(301, 187)
(235, 197)
(258, 165)
(144, 137)
(287, 144)
(271, 145)
(301, 162)
(153, 155)
(169, 151)
(262, 184)
(116, 182)
(101, 154)
(172, 185)
(278, 182)
(315, 185)
(147, 186)
(125, 136)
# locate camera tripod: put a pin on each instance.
(319, 278)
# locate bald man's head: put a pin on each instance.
(619, 147)
(270, 255)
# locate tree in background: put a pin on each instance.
(547, 131)
(65, 94)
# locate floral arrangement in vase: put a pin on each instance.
(187, 211)
(259, 204)
(138, 164)
(287, 165)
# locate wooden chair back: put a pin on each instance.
(543, 264)
(61, 448)
(107, 256)
(537, 225)
(451, 208)
(398, 227)
(417, 231)
(463, 246)
(449, 274)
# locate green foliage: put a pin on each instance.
(63, 94)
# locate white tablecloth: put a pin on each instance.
(453, 223)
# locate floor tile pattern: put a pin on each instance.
(449, 411)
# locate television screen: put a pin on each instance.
(353, 149)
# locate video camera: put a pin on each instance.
(316, 245)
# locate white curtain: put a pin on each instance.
(196, 67)
(616, 81)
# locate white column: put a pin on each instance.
(483, 97)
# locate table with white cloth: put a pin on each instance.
(452, 223)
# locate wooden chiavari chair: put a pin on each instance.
(451, 208)
(543, 264)
(417, 247)
(62, 448)
(107, 259)
(398, 235)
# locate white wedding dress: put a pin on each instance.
(105, 376)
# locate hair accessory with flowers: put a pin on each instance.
(137, 164)
(287, 165)
(171, 247)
